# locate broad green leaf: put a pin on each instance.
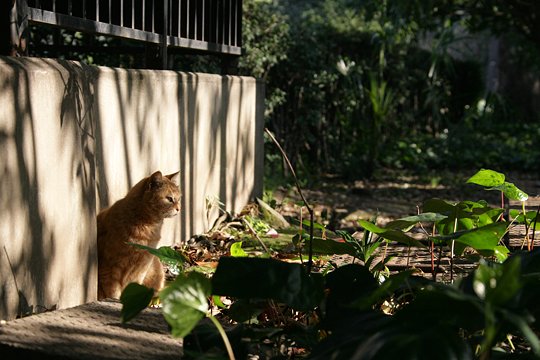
(530, 216)
(255, 278)
(487, 178)
(484, 238)
(167, 255)
(501, 253)
(406, 222)
(316, 225)
(185, 302)
(369, 226)
(135, 298)
(511, 191)
(488, 217)
(331, 247)
(237, 251)
(390, 234)
(438, 206)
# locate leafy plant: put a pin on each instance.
(343, 311)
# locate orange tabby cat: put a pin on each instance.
(137, 218)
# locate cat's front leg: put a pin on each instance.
(109, 288)
(155, 276)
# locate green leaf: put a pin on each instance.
(530, 216)
(135, 298)
(484, 238)
(316, 225)
(408, 221)
(390, 234)
(511, 191)
(237, 251)
(252, 278)
(185, 302)
(438, 206)
(331, 247)
(487, 178)
(167, 255)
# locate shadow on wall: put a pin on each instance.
(39, 146)
(217, 153)
(82, 136)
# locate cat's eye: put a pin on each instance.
(171, 199)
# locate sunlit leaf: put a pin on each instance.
(237, 251)
(167, 255)
(487, 178)
(511, 191)
(484, 238)
(390, 234)
(403, 223)
(185, 302)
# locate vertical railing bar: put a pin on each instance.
(179, 18)
(224, 23)
(187, 19)
(143, 15)
(54, 6)
(70, 8)
(230, 21)
(164, 42)
(202, 18)
(110, 15)
(239, 23)
(196, 18)
(153, 14)
(97, 10)
(133, 14)
(236, 22)
(122, 13)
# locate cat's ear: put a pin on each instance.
(175, 178)
(156, 180)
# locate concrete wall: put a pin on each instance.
(75, 138)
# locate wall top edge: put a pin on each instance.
(30, 64)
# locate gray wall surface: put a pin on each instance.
(74, 138)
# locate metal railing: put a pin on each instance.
(204, 25)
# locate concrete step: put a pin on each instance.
(90, 331)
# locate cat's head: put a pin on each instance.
(162, 194)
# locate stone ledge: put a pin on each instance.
(90, 331)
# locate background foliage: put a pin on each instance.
(354, 86)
